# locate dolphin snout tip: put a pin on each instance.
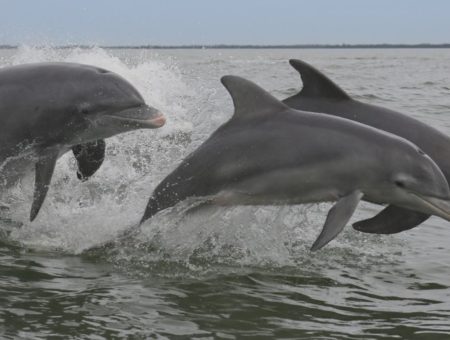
(158, 121)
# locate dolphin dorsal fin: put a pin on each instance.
(315, 83)
(249, 99)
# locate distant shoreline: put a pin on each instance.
(224, 46)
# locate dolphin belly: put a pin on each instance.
(283, 186)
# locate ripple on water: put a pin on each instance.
(221, 273)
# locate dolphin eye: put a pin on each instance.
(84, 108)
(400, 184)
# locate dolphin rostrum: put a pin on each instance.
(320, 94)
(47, 109)
(268, 153)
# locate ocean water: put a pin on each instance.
(225, 273)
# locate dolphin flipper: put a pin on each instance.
(89, 158)
(391, 220)
(43, 175)
(337, 218)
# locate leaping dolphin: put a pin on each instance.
(320, 94)
(268, 153)
(47, 109)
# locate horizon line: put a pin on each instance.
(236, 46)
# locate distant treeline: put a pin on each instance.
(224, 46)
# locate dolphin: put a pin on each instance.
(320, 94)
(47, 109)
(269, 153)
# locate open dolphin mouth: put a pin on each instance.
(436, 206)
(141, 117)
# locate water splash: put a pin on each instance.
(77, 216)
(177, 243)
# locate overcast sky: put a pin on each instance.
(184, 22)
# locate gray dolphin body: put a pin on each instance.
(320, 94)
(47, 109)
(269, 153)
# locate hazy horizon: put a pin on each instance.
(232, 46)
(203, 22)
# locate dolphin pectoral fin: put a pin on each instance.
(43, 175)
(391, 220)
(89, 158)
(337, 218)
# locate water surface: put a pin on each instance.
(225, 273)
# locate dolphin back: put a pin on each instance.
(316, 84)
(195, 176)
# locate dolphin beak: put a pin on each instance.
(141, 117)
(435, 206)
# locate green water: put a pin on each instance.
(224, 273)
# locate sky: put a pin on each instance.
(186, 22)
